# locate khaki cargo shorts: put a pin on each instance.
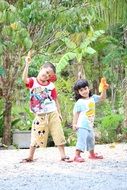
(42, 125)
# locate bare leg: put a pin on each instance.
(63, 155)
(91, 152)
(62, 151)
(77, 153)
(31, 155)
(31, 152)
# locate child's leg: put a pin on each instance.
(57, 132)
(62, 151)
(77, 153)
(31, 152)
(58, 135)
(78, 157)
(91, 146)
(63, 155)
(80, 145)
(31, 155)
(39, 135)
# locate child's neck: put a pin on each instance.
(42, 82)
(85, 97)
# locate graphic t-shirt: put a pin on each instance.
(86, 110)
(42, 98)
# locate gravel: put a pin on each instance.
(48, 172)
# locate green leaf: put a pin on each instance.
(90, 50)
(12, 8)
(1, 48)
(79, 57)
(64, 61)
(69, 43)
(3, 5)
(27, 43)
(97, 34)
(2, 71)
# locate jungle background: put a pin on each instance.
(77, 36)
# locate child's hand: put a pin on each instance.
(103, 85)
(75, 127)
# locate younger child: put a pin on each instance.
(83, 119)
(44, 104)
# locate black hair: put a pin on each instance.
(49, 64)
(81, 83)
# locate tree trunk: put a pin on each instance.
(6, 140)
(78, 71)
(125, 110)
(10, 65)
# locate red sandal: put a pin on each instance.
(78, 159)
(95, 156)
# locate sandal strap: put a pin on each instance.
(66, 159)
(25, 160)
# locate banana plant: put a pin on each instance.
(78, 49)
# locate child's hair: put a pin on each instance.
(81, 83)
(49, 64)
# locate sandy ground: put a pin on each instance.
(49, 173)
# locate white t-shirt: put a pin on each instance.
(42, 98)
(86, 110)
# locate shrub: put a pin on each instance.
(110, 128)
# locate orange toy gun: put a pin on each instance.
(103, 85)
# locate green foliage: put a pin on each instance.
(25, 118)
(62, 31)
(4, 5)
(110, 124)
(13, 122)
(70, 136)
(64, 88)
(80, 50)
(1, 124)
(124, 131)
(2, 71)
(1, 118)
(64, 61)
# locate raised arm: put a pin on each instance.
(25, 71)
(103, 95)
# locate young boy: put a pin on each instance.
(44, 104)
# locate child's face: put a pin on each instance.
(84, 92)
(45, 74)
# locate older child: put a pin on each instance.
(83, 118)
(44, 104)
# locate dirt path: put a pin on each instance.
(48, 173)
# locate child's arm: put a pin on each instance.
(58, 108)
(25, 72)
(103, 95)
(75, 119)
